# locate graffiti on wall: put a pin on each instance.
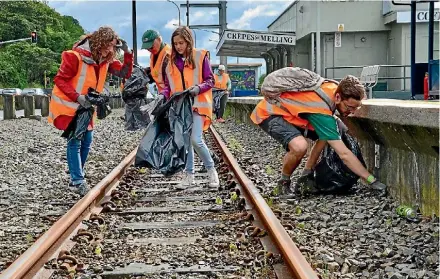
(242, 80)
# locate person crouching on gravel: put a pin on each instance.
(189, 69)
(306, 114)
(84, 67)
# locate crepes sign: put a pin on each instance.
(267, 38)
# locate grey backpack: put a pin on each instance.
(291, 79)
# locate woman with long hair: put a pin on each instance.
(189, 69)
(85, 66)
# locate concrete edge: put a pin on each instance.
(402, 112)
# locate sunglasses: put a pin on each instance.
(350, 108)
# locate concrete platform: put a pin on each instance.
(399, 141)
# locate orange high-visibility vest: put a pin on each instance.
(223, 84)
(295, 103)
(156, 71)
(60, 104)
(203, 101)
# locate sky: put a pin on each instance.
(163, 17)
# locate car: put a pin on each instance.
(11, 91)
(33, 91)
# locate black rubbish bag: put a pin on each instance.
(217, 96)
(136, 117)
(167, 139)
(134, 95)
(136, 86)
(331, 174)
(78, 126)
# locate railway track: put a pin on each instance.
(133, 224)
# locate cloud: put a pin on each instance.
(172, 24)
(161, 15)
(143, 53)
(244, 21)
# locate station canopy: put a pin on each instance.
(251, 44)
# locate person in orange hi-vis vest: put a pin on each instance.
(223, 82)
(159, 56)
(310, 114)
(189, 69)
(84, 67)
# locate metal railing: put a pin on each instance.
(404, 77)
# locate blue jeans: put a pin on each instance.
(77, 152)
(199, 145)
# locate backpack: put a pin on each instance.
(292, 79)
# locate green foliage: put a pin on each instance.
(261, 79)
(23, 63)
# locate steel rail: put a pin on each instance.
(24, 264)
(297, 263)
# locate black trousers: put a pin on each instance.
(223, 101)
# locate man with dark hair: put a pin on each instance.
(310, 114)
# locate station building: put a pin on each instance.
(335, 38)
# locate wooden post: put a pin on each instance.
(8, 107)
(29, 106)
(45, 106)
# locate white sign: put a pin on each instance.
(267, 38)
(338, 39)
(340, 27)
(421, 16)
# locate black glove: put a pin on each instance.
(194, 90)
(123, 45)
(148, 73)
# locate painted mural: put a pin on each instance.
(242, 80)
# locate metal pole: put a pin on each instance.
(413, 50)
(223, 27)
(187, 12)
(13, 41)
(430, 42)
(318, 37)
(195, 38)
(176, 7)
(133, 17)
(312, 52)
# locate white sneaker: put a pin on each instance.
(187, 181)
(213, 178)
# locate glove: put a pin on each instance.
(194, 90)
(148, 73)
(124, 46)
(83, 101)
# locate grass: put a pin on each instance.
(235, 145)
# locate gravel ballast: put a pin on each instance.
(343, 236)
(34, 177)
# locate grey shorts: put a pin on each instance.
(283, 132)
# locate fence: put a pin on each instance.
(10, 104)
(356, 71)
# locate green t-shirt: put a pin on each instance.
(325, 125)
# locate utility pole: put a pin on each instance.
(133, 17)
(222, 25)
(187, 13)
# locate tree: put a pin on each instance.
(22, 63)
